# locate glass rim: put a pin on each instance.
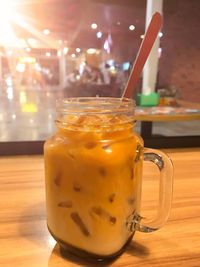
(95, 105)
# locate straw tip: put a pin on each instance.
(158, 16)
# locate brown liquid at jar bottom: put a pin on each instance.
(66, 248)
(92, 187)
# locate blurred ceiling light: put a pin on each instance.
(7, 13)
(58, 53)
(48, 54)
(160, 34)
(131, 27)
(8, 17)
(13, 116)
(91, 51)
(21, 43)
(93, 26)
(73, 55)
(28, 49)
(118, 23)
(6, 9)
(9, 52)
(65, 50)
(78, 50)
(46, 31)
(142, 36)
(99, 34)
(22, 97)
(20, 67)
(32, 41)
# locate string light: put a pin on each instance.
(48, 54)
(93, 26)
(99, 34)
(65, 50)
(131, 27)
(46, 31)
(28, 49)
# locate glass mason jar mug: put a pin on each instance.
(93, 170)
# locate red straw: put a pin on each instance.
(143, 53)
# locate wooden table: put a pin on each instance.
(25, 241)
(185, 112)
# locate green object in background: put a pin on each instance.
(149, 100)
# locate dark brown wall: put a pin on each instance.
(180, 61)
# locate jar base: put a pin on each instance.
(66, 248)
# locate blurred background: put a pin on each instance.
(51, 49)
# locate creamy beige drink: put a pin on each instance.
(93, 176)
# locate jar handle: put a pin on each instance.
(165, 167)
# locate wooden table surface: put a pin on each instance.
(25, 241)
